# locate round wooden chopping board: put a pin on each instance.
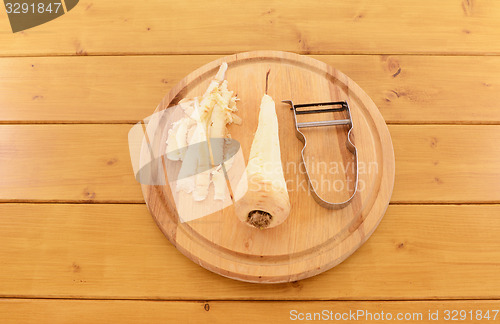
(313, 239)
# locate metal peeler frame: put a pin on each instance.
(344, 106)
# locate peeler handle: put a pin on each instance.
(349, 144)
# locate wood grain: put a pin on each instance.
(313, 239)
(89, 89)
(446, 163)
(117, 251)
(66, 162)
(406, 88)
(100, 27)
(27, 311)
(45, 163)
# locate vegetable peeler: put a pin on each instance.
(335, 106)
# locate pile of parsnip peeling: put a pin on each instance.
(205, 118)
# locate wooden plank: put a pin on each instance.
(83, 163)
(117, 251)
(91, 163)
(28, 311)
(406, 89)
(89, 89)
(446, 163)
(100, 27)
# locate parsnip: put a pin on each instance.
(262, 198)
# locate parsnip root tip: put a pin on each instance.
(259, 218)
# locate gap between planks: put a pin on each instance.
(90, 298)
(130, 54)
(132, 122)
(74, 202)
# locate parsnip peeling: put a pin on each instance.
(177, 140)
(190, 160)
(262, 200)
(206, 119)
(219, 180)
(218, 121)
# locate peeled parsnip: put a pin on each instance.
(262, 200)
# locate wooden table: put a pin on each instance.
(77, 244)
